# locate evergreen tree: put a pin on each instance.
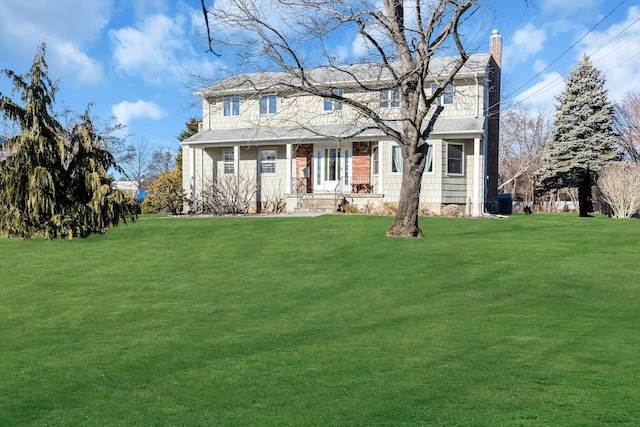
(192, 126)
(55, 180)
(583, 139)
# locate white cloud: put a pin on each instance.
(539, 65)
(67, 27)
(614, 52)
(69, 20)
(150, 50)
(127, 111)
(543, 94)
(526, 42)
(360, 46)
(70, 59)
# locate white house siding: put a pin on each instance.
(432, 182)
(250, 131)
(209, 162)
(431, 192)
(457, 189)
(309, 110)
(392, 182)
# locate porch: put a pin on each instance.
(334, 168)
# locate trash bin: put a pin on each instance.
(505, 204)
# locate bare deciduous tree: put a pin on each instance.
(619, 184)
(400, 37)
(162, 160)
(136, 161)
(523, 134)
(627, 126)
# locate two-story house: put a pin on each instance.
(291, 144)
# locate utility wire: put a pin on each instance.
(554, 83)
(566, 51)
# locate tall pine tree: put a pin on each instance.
(55, 180)
(583, 140)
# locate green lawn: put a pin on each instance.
(532, 320)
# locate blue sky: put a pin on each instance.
(130, 58)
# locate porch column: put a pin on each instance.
(192, 178)
(381, 166)
(477, 177)
(289, 176)
(236, 160)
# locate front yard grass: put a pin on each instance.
(324, 321)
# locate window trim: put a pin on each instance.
(263, 162)
(400, 168)
(375, 160)
(268, 105)
(331, 105)
(449, 92)
(389, 98)
(228, 163)
(433, 152)
(461, 173)
(231, 106)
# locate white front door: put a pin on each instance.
(333, 169)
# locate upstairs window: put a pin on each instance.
(332, 104)
(231, 106)
(268, 105)
(390, 98)
(446, 98)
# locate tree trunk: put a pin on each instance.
(405, 223)
(584, 195)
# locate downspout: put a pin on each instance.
(485, 145)
(477, 95)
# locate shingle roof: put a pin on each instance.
(372, 74)
(283, 135)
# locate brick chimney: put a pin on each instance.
(493, 122)
(495, 47)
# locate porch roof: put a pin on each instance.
(444, 127)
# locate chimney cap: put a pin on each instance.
(495, 32)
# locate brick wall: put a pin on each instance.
(361, 163)
(304, 159)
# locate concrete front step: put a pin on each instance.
(313, 210)
(317, 205)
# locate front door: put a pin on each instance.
(333, 169)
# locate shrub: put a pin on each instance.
(452, 210)
(228, 194)
(372, 209)
(390, 208)
(165, 194)
(423, 211)
(619, 184)
(351, 209)
(273, 203)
